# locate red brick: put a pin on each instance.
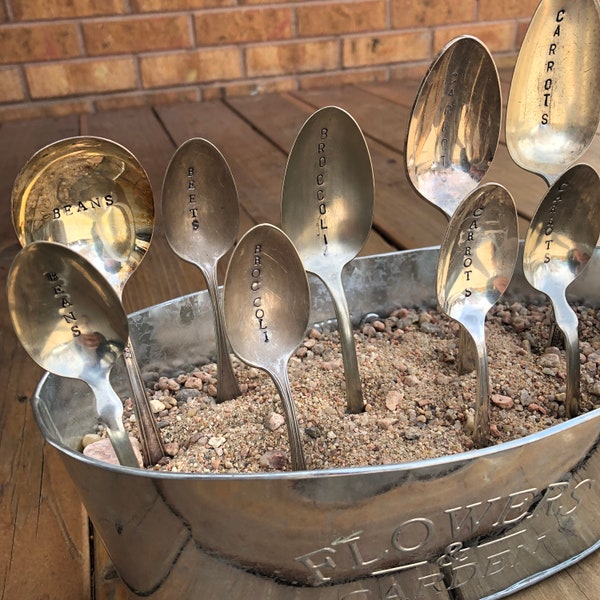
(171, 5)
(80, 77)
(243, 25)
(31, 10)
(339, 78)
(428, 13)
(38, 110)
(297, 57)
(498, 37)
(249, 88)
(262, 2)
(341, 18)
(133, 35)
(410, 72)
(521, 31)
(147, 98)
(386, 48)
(505, 61)
(24, 43)
(11, 85)
(492, 10)
(198, 66)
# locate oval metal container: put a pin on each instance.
(482, 524)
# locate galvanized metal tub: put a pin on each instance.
(482, 524)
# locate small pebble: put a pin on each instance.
(103, 450)
(274, 459)
(157, 406)
(505, 402)
(275, 421)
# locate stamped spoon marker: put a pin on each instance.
(266, 301)
(201, 216)
(327, 210)
(476, 262)
(552, 113)
(71, 322)
(560, 241)
(453, 134)
(92, 195)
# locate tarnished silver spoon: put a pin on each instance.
(92, 195)
(552, 113)
(266, 301)
(327, 210)
(71, 322)
(454, 125)
(453, 134)
(560, 240)
(201, 216)
(476, 262)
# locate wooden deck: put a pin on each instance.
(47, 546)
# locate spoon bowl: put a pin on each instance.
(327, 211)
(476, 263)
(559, 243)
(201, 217)
(71, 322)
(454, 124)
(93, 196)
(266, 302)
(552, 113)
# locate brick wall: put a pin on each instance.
(64, 56)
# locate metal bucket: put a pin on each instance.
(482, 524)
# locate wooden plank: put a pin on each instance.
(400, 91)
(527, 189)
(257, 164)
(21, 140)
(380, 118)
(586, 575)
(402, 217)
(44, 530)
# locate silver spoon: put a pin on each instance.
(92, 195)
(201, 216)
(71, 322)
(453, 134)
(454, 124)
(476, 263)
(266, 302)
(327, 210)
(560, 240)
(552, 113)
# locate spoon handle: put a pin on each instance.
(227, 385)
(354, 397)
(467, 355)
(152, 444)
(281, 380)
(110, 411)
(481, 431)
(567, 322)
